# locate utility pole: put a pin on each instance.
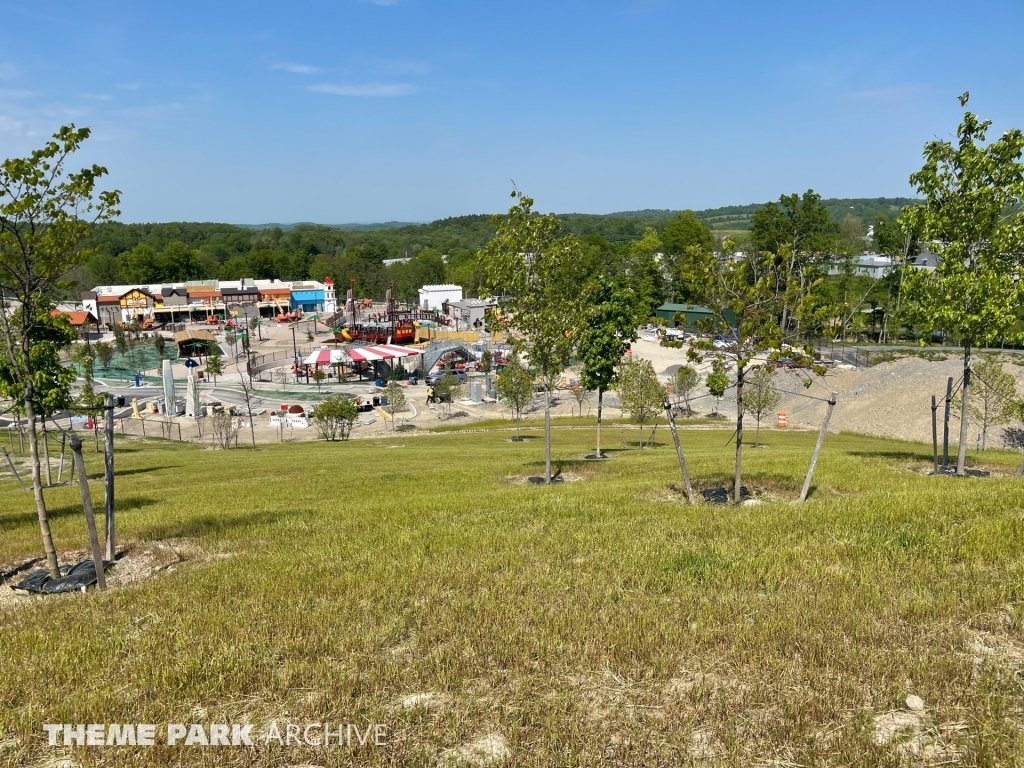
(295, 348)
(108, 472)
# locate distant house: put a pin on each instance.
(81, 321)
(173, 297)
(246, 295)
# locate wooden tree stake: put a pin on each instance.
(108, 473)
(13, 468)
(679, 450)
(817, 447)
(90, 520)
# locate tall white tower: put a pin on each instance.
(330, 299)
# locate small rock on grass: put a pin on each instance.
(915, 703)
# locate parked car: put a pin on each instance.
(433, 378)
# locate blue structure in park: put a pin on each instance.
(308, 299)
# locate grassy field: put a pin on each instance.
(419, 582)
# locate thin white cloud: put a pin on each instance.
(894, 93)
(129, 86)
(364, 89)
(384, 2)
(298, 69)
(392, 67)
(7, 71)
(98, 96)
(10, 124)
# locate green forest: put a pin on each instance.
(441, 251)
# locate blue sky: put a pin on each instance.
(358, 111)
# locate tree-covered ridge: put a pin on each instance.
(441, 251)
(739, 217)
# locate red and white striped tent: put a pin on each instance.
(382, 352)
(323, 357)
(359, 355)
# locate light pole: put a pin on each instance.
(295, 348)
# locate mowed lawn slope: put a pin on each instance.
(599, 622)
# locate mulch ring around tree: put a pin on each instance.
(134, 563)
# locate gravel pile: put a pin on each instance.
(890, 400)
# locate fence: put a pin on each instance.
(169, 430)
(436, 334)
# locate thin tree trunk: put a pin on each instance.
(961, 455)
(757, 433)
(737, 481)
(37, 489)
(547, 427)
(600, 398)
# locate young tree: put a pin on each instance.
(995, 401)
(537, 279)
(445, 391)
(972, 218)
(223, 430)
(84, 356)
(748, 301)
(609, 324)
(395, 394)
(514, 386)
(334, 418)
(717, 382)
(46, 213)
(214, 365)
(761, 397)
(281, 377)
(104, 353)
(318, 377)
(231, 338)
(250, 401)
(581, 395)
(685, 382)
(159, 344)
(640, 392)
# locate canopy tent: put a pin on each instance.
(382, 352)
(358, 355)
(326, 357)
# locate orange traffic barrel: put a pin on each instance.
(782, 419)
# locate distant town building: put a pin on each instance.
(197, 300)
(469, 313)
(433, 296)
